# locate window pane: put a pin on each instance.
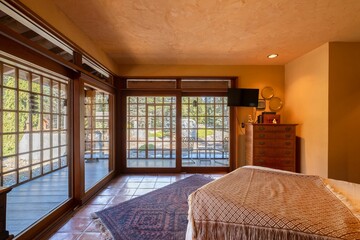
(24, 160)
(9, 144)
(36, 157)
(63, 151)
(9, 76)
(63, 106)
(55, 89)
(24, 119)
(24, 143)
(24, 174)
(36, 121)
(46, 139)
(36, 170)
(46, 121)
(55, 164)
(24, 101)
(55, 139)
(9, 99)
(36, 141)
(46, 104)
(46, 86)
(9, 120)
(63, 122)
(47, 167)
(9, 164)
(63, 137)
(55, 122)
(46, 154)
(35, 86)
(55, 105)
(55, 152)
(63, 91)
(35, 101)
(10, 179)
(24, 80)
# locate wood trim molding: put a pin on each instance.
(98, 84)
(12, 46)
(17, 4)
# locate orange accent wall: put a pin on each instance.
(322, 94)
(344, 111)
(306, 96)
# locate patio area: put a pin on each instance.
(31, 201)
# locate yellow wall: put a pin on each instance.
(344, 111)
(248, 77)
(47, 10)
(306, 97)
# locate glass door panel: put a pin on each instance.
(151, 131)
(34, 153)
(205, 132)
(96, 136)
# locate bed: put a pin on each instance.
(261, 203)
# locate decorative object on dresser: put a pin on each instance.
(268, 117)
(271, 145)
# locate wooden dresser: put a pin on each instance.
(271, 145)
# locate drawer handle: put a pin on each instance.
(287, 135)
(261, 128)
(262, 135)
(261, 143)
(260, 161)
(287, 128)
(287, 143)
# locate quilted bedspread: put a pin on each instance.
(252, 203)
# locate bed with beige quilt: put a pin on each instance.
(260, 203)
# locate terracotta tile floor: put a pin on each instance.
(120, 189)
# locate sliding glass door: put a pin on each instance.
(205, 131)
(151, 132)
(34, 143)
(97, 140)
(152, 140)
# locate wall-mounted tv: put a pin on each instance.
(243, 97)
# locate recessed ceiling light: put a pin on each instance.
(274, 55)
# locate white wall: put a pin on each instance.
(306, 98)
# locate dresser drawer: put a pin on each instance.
(273, 152)
(265, 162)
(287, 164)
(273, 128)
(261, 143)
(274, 135)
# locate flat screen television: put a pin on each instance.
(243, 97)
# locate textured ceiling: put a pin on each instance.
(216, 32)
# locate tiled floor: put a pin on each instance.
(122, 188)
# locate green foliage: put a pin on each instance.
(202, 133)
(149, 147)
(9, 118)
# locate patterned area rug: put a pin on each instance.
(160, 214)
